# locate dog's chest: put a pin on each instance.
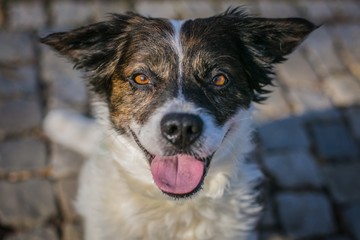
(115, 211)
(202, 219)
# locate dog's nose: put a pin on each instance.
(181, 129)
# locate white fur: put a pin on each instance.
(119, 200)
(176, 43)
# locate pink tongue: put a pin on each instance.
(178, 174)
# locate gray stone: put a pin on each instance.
(351, 9)
(352, 219)
(70, 14)
(349, 38)
(165, 9)
(25, 15)
(275, 107)
(305, 91)
(293, 168)
(15, 47)
(251, 6)
(344, 9)
(305, 101)
(272, 235)
(103, 10)
(197, 9)
(22, 154)
(176, 9)
(2, 17)
(277, 9)
(333, 140)
(283, 134)
(18, 80)
(321, 53)
(67, 88)
(305, 214)
(342, 89)
(343, 182)
(338, 238)
(19, 114)
(268, 218)
(328, 114)
(72, 232)
(36, 234)
(26, 204)
(66, 190)
(298, 74)
(353, 115)
(316, 10)
(65, 162)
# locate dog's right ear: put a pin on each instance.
(94, 48)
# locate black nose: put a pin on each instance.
(181, 129)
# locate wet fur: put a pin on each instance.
(117, 196)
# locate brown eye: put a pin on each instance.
(219, 80)
(142, 79)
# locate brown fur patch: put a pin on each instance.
(130, 102)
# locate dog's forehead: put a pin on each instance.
(169, 47)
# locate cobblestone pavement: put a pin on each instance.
(308, 131)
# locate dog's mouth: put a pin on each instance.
(178, 176)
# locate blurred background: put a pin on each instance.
(308, 132)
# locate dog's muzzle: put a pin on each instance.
(181, 173)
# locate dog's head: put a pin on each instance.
(178, 88)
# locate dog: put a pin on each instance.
(175, 99)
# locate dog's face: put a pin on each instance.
(177, 88)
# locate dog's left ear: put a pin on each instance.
(92, 48)
(95, 48)
(273, 39)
